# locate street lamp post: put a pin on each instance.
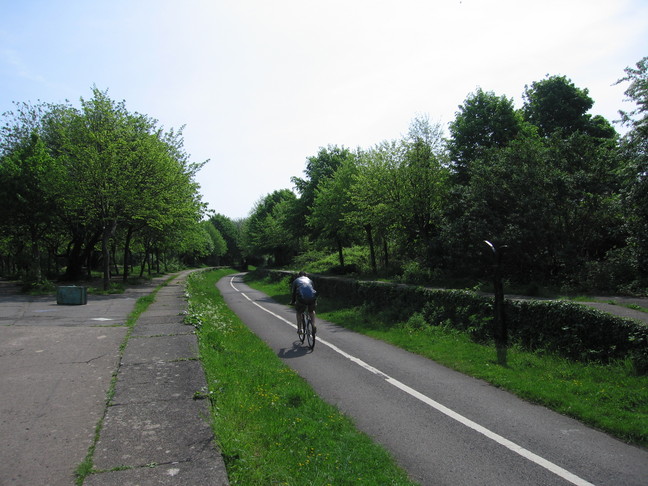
(500, 329)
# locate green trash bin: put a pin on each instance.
(72, 295)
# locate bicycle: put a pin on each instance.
(307, 330)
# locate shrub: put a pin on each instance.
(564, 328)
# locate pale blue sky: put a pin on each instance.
(261, 85)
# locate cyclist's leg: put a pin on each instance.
(299, 307)
(311, 311)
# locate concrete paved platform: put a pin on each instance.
(157, 428)
(56, 367)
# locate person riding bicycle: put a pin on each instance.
(304, 295)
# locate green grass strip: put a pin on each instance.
(270, 425)
(609, 397)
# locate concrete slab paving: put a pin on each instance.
(149, 330)
(157, 428)
(57, 363)
(159, 381)
(53, 385)
(202, 470)
(160, 348)
(155, 432)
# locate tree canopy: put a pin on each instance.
(549, 180)
(75, 179)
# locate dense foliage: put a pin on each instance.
(565, 329)
(559, 187)
(86, 188)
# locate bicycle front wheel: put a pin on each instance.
(309, 329)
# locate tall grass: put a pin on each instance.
(270, 425)
(609, 397)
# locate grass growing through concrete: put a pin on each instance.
(143, 303)
(270, 425)
(609, 397)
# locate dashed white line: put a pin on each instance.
(550, 466)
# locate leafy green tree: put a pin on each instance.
(498, 206)
(376, 193)
(219, 246)
(230, 232)
(29, 197)
(556, 104)
(266, 231)
(424, 176)
(399, 192)
(318, 169)
(87, 172)
(332, 206)
(571, 215)
(483, 122)
(635, 149)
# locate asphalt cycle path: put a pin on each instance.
(442, 427)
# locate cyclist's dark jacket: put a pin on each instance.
(303, 290)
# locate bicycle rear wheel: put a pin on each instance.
(309, 329)
(300, 331)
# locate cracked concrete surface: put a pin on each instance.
(56, 367)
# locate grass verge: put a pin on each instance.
(270, 425)
(609, 397)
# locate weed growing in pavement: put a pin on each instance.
(86, 467)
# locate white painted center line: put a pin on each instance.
(550, 466)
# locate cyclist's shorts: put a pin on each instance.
(300, 305)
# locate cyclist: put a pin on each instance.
(304, 295)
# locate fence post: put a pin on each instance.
(500, 329)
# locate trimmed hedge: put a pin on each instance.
(564, 328)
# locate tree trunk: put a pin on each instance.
(340, 253)
(127, 256)
(143, 267)
(108, 231)
(35, 274)
(386, 253)
(113, 257)
(372, 251)
(105, 253)
(74, 270)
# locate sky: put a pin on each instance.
(262, 85)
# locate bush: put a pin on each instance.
(615, 273)
(564, 328)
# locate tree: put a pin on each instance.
(635, 149)
(424, 175)
(318, 169)
(483, 122)
(556, 104)
(332, 206)
(29, 196)
(266, 231)
(376, 193)
(77, 175)
(400, 190)
(219, 247)
(498, 206)
(230, 232)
